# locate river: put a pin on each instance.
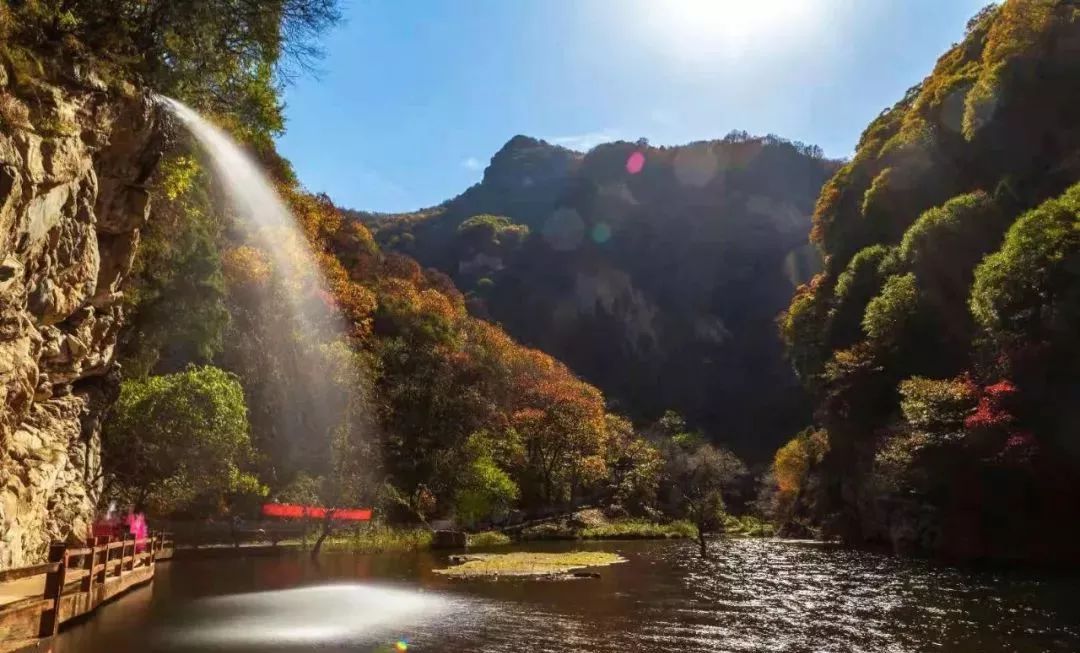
(751, 595)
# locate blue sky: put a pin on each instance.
(415, 96)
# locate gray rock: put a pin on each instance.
(449, 540)
(67, 241)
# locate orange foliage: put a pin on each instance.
(316, 214)
(794, 460)
(1017, 29)
(245, 266)
(825, 209)
(361, 236)
(357, 305)
(433, 302)
(561, 420)
(403, 267)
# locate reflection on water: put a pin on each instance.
(750, 596)
(302, 616)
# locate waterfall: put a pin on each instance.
(305, 402)
(256, 204)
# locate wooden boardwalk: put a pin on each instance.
(35, 600)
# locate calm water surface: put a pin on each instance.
(750, 596)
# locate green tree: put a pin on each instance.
(938, 406)
(485, 491)
(891, 313)
(695, 479)
(914, 409)
(303, 490)
(180, 443)
(791, 468)
(942, 249)
(489, 233)
(803, 328)
(175, 293)
(1030, 288)
(635, 465)
(859, 283)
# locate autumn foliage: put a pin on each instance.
(465, 416)
(940, 342)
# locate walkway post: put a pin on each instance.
(86, 585)
(128, 563)
(104, 573)
(54, 587)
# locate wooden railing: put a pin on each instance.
(78, 578)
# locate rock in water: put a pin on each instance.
(448, 540)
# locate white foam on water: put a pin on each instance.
(323, 614)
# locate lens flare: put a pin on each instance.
(564, 230)
(696, 166)
(635, 163)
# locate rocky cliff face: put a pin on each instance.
(74, 157)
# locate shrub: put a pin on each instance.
(936, 405)
(748, 526)
(896, 458)
(1030, 288)
(485, 490)
(793, 461)
(855, 287)
(488, 538)
(179, 442)
(378, 539)
(803, 327)
(638, 529)
(13, 113)
(993, 411)
(890, 314)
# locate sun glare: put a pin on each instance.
(707, 28)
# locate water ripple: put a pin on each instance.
(749, 596)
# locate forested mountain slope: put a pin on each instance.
(654, 272)
(942, 339)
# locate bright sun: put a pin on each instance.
(707, 28)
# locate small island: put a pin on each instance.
(521, 563)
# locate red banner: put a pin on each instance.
(294, 511)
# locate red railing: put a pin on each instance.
(294, 511)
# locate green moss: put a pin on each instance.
(25, 68)
(550, 531)
(489, 538)
(747, 526)
(381, 538)
(493, 565)
(624, 529)
(53, 125)
(638, 529)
